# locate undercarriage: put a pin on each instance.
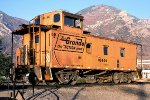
(71, 76)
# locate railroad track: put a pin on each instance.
(86, 85)
(44, 89)
(44, 86)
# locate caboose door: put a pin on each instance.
(34, 48)
(37, 48)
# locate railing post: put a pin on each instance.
(13, 68)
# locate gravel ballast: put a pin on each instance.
(98, 92)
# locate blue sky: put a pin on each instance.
(27, 9)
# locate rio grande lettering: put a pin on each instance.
(73, 42)
(70, 43)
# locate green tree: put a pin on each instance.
(5, 62)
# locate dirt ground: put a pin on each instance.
(99, 92)
(92, 92)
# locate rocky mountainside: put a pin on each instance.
(7, 25)
(101, 20)
(107, 21)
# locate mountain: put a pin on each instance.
(101, 20)
(7, 25)
(110, 22)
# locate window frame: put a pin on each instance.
(69, 19)
(73, 22)
(37, 20)
(122, 54)
(57, 17)
(36, 38)
(104, 50)
(89, 49)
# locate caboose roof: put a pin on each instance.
(24, 29)
(73, 15)
(77, 16)
(89, 35)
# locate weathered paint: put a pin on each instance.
(66, 48)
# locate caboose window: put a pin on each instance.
(105, 49)
(37, 39)
(88, 48)
(69, 21)
(37, 20)
(72, 22)
(78, 23)
(56, 17)
(122, 51)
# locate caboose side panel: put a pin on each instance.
(108, 54)
(48, 18)
(67, 50)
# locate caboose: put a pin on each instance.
(55, 48)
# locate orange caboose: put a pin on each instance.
(57, 49)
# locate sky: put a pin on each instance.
(28, 9)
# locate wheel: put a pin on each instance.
(129, 81)
(67, 77)
(123, 77)
(75, 78)
(116, 78)
(64, 77)
(73, 82)
(130, 78)
(99, 80)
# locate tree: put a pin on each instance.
(5, 62)
(4, 66)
